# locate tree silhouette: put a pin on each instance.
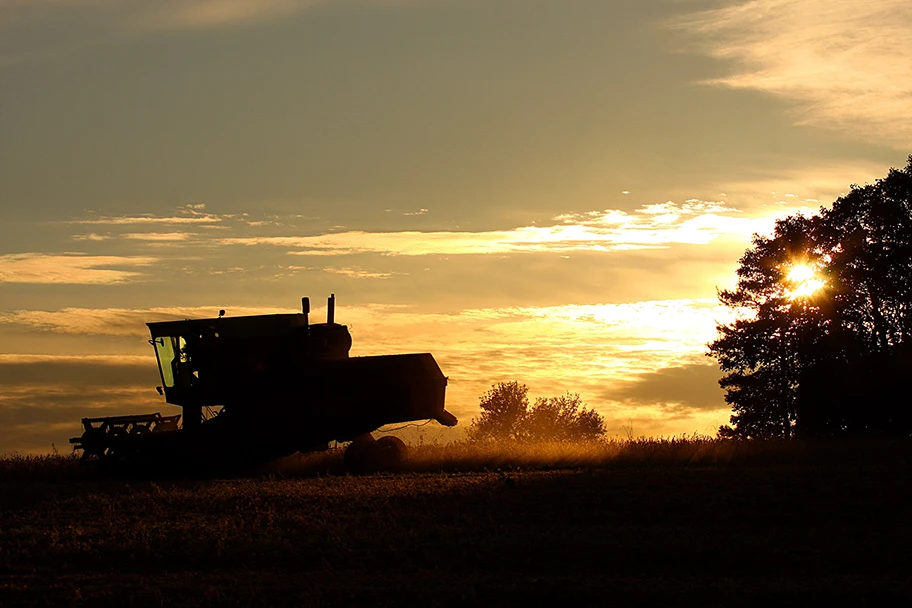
(506, 415)
(562, 419)
(503, 408)
(820, 344)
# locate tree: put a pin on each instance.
(503, 408)
(562, 419)
(824, 318)
(506, 415)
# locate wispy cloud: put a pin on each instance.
(70, 268)
(126, 220)
(196, 14)
(358, 273)
(163, 14)
(158, 237)
(652, 226)
(801, 189)
(116, 321)
(848, 64)
(92, 237)
(154, 238)
(123, 370)
(131, 17)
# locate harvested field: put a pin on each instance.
(645, 523)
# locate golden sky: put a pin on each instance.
(548, 191)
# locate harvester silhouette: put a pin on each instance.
(256, 388)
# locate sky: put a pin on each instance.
(547, 191)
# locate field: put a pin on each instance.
(645, 522)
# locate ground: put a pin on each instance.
(790, 529)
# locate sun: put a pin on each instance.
(802, 281)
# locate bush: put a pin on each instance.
(506, 415)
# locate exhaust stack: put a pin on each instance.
(331, 310)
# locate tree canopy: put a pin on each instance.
(507, 415)
(821, 340)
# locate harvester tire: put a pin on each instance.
(392, 452)
(362, 456)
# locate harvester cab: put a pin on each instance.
(204, 363)
(254, 388)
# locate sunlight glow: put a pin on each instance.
(803, 281)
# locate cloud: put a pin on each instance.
(652, 226)
(158, 237)
(693, 386)
(149, 219)
(804, 188)
(69, 268)
(358, 273)
(77, 371)
(45, 397)
(847, 64)
(192, 216)
(92, 237)
(139, 16)
(199, 14)
(162, 14)
(116, 321)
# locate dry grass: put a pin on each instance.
(638, 452)
(49, 467)
(488, 456)
(692, 451)
(497, 456)
(648, 522)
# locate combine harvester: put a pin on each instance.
(256, 388)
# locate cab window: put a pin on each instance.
(165, 348)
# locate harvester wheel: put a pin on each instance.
(392, 452)
(362, 455)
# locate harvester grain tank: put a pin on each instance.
(256, 388)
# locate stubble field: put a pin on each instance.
(682, 522)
